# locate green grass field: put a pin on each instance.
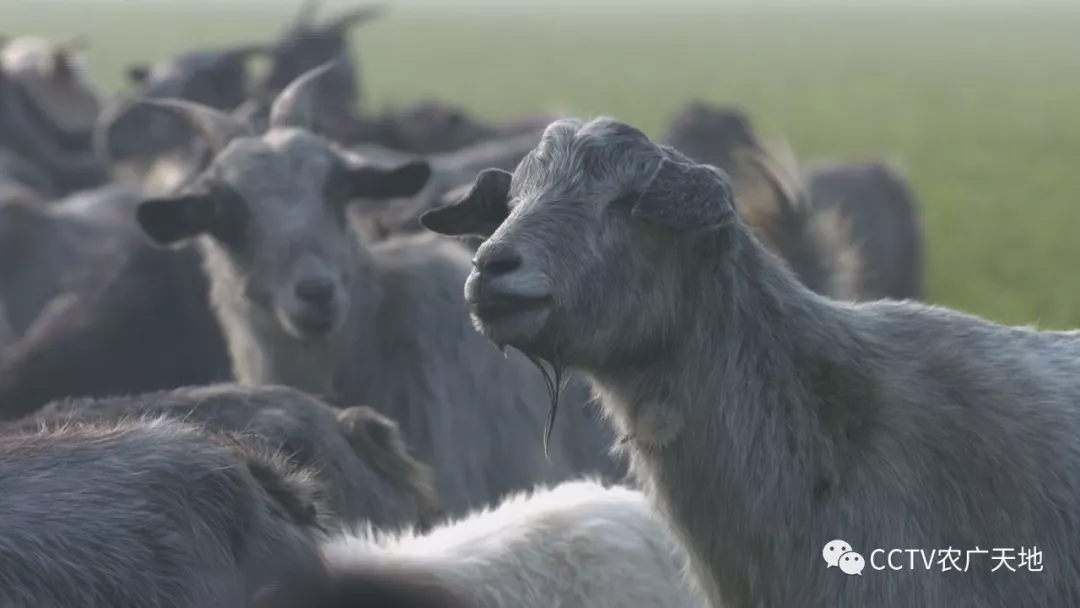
(981, 106)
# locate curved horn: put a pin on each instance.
(216, 128)
(296, 105)
(358, 15)
(100, 136)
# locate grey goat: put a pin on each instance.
(765, 420)
(304, 302)
(147, 512)
(356, 453)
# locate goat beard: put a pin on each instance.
(555, 381)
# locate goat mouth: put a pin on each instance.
(313, 325)
(495, 308)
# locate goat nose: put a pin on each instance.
(315, 291)
(497, 261)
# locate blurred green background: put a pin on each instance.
(979, 102)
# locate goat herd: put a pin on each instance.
(260, 348)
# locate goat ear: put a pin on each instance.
(405, 180)
(480, 212)
(138, 73)
(686, 196)
(170, 220)
(377, 440)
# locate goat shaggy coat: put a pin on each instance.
(766, 420)
(147, 513)
(355, 453)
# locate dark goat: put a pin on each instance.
(148, 513)
(428, 127)
(305, 45)
(848, 230)
(885, 224)
(711, 135)
(432, 127)
(47, 109)
(356, 453)
(218, 78)
(306, 302)
(42, 252)
(138, 322)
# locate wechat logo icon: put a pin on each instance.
(838, 553)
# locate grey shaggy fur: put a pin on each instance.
(147, 514)
(765, 420)
(304, 302)
(357, 455)
(886, 224)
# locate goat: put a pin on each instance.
(215, 77)
(305, 302)
(42, 253)
(304, 46)
(432, 127)
(47, 111)
(765, 420)
(356, 453)
(576, 545)
(885, 223)
(138, 321)
(148, 512)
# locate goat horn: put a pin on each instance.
(99, 137)
(358, 15)
(296, 105)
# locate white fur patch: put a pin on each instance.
(576, 544)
